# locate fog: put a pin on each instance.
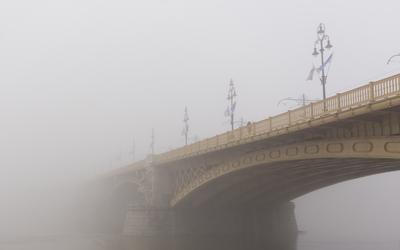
(82, 84)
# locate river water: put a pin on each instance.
(97, 244)
(316, 245)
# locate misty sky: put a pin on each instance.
(80, 81)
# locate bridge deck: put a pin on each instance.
(365, 99)
(378, 95)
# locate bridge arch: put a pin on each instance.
(287, 172)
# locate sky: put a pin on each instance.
(83, 83)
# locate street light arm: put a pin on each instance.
(285, 99)
(390, 59)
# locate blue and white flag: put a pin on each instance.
(185, 129)
(328, 60)
(186, 116)
(233, 107)
(311, 74)
(319, 69)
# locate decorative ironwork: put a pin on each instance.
(185, 177)
(143, 178)
(189, 179)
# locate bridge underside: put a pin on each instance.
(245, 209)
(278, 182)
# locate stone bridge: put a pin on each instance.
(233, 191)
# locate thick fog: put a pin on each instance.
(83, 83)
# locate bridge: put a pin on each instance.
(233, 191)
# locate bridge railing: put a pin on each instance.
(374, 91)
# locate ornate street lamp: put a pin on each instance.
(322, 44)
(153, 142)
(185, 131)
(230, 111)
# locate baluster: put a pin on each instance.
(350, 99)
(344, 98)
(386, 87)
(397, 83)
(391, 85)
(270, 123)
(377, 90)
(382, 88)
(312, 110)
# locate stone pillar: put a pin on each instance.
(149, 226)
(272, 228)
(148, 229)
(155, 226)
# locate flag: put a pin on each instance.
(227, 111)
(186, 116)
(328, 60)
(311, 74)
(233, 107)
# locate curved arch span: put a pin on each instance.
(275, 172)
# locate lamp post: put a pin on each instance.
(185, 131)
(321, 44)
(232, 104)
(153, 142)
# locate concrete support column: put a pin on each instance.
(272, 228)
(157, 227)
(148, 229)
(149, 226)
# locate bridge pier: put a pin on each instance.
(271, 228)
(148, 229)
